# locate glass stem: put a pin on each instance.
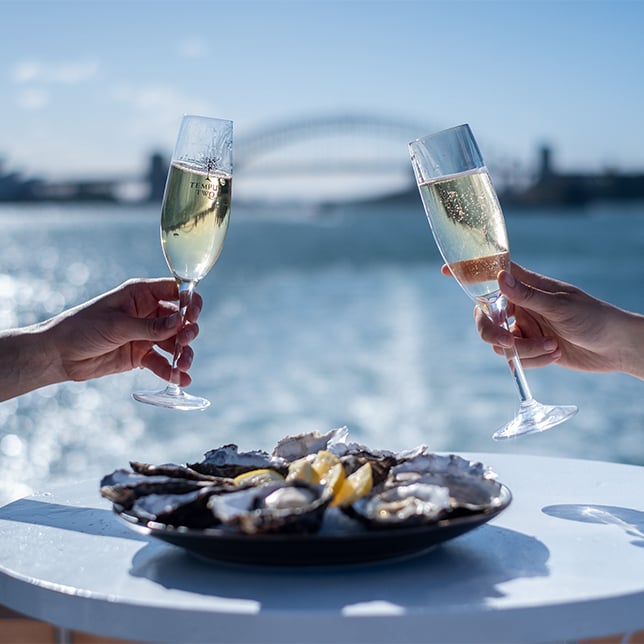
(185, 297)
(496, 310)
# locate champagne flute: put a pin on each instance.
(194, 221)
(469, 229)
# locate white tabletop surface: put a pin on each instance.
(564, 561)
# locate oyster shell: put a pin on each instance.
(291, 448)
(233, 490)
(424, 487)
(124, 487)
(228, 461)
(448, 464)
(189, 510)
(408, 505)
(472, 486)
(285, 508)
(381, 462)
(174, 471)
(352, 455)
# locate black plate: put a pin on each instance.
(355, 546)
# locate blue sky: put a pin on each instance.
(92, 87)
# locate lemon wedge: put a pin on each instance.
(302, 470)
(323, 462)
(354, 486)
(334, 478)
(258, 477)
(329, 469)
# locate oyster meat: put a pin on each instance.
(404, 505)
(471, 485)
(294, 507)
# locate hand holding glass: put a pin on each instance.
(469, 229)
(194, 221)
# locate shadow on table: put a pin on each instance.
(631, 521)
(68, 517)
(470, 568)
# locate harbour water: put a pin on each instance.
(313, 319)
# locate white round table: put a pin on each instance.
(564, 561)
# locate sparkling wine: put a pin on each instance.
(469, 228)
(194, 220)
(480, 274)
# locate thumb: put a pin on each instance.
(525, 295)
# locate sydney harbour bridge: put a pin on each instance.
(325, 158)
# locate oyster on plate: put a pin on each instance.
(306, 479)
(406, 505)
(471, 486)
(228, 461)
(295, 507)
(168, 499)
(291, 448)
(424, 487)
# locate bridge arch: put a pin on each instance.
(342, 153)
(270, 138)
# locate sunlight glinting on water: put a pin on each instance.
(310, 322)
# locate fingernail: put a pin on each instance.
(506, 342)
(549, 345)
(188, 334)
(509, 280)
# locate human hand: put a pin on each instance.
(121, 330)
(556, 322)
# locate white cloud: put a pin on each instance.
(25, 71)
(159, 101)
(66, 73)
(33, 99)
(151, 113)
(145, 97)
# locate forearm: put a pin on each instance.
(26, 362)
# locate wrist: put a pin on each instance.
(631, 352)
(27, 362)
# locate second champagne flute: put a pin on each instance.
(469, 229)
(194, 221)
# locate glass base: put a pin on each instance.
(534, 417)
(172, 397)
